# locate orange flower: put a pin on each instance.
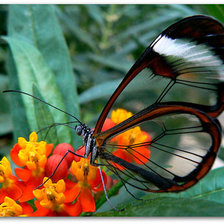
(31, 155)
(10, 185)
(119, 115)
(88, 180)
(51, 201)
(132, 137)
(108, 124)
(10, 208)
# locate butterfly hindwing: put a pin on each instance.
(178, 149)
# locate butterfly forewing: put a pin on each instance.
(183, 64)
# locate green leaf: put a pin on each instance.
(38, 25)
(95, 13)
(32, 69)
(3, 81)
(106, 89)
(221, 153)
(216, 11)
(3, 97)
(98, 91)
(209, 188)
(21, 126)
(78, 32)
(147, 25)
(121, 198)
(118, 64)
(44, 119)
(169, 207)
(184, 9)
(114, 190)
(5, 124)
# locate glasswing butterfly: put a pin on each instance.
(187, 58)
(176, 92)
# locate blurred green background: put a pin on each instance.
(101, 43)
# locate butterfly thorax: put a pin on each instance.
(89, 141)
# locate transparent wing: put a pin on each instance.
(163, 148)
(183, 65)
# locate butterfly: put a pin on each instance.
(175, 90)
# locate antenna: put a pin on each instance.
(18, 91)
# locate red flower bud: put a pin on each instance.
(80, 151)
(61, 149)
(52, 163)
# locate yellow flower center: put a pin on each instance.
(83, 171)
(52, 195)
(5, 173)
(33, 153)
(131, 136)
(119, 115)
(10, 208)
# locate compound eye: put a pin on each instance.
(78, 130)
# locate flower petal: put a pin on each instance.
(149, 138)
(69, 184)
(38, 194)
(27, 209)
(23, 174)
(49, 148)
(119, 115)
(87, 201)
(41, 211)
(141, 155)
(96, 184)
(60, 186)
(73, 209)
(72, 193)
(14, 155)
(28, 188)
(123, 155)
(14, 192)
(33, 137)
(107, 124)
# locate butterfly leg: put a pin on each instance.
(126, 188)
(105, 192)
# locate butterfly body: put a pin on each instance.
(89, 142)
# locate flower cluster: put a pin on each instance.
(75, 185)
